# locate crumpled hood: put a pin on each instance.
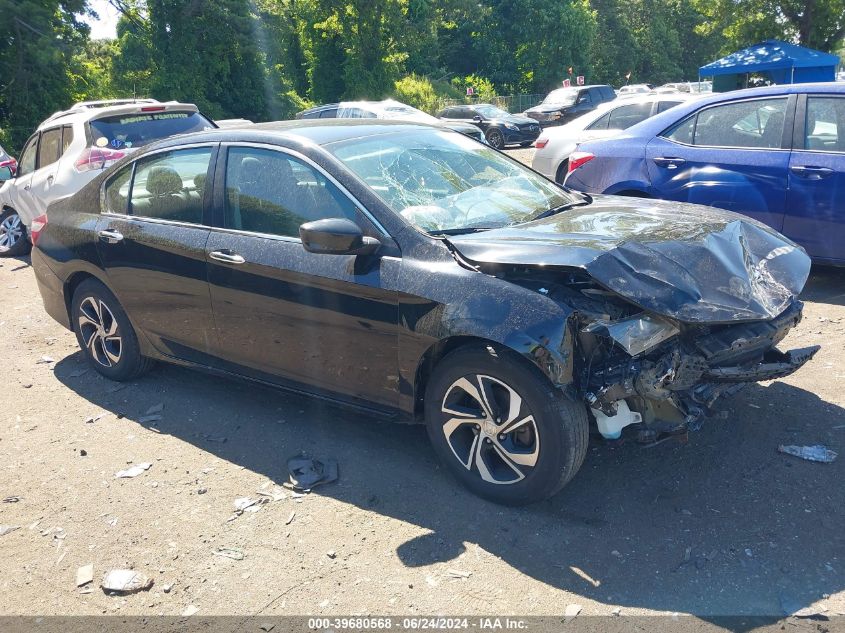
(689, 262)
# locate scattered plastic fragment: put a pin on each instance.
(125, 581)
(45, 360)
(585, 576)
(229, 552)
(189, 611)
(290, 518)
(331, 554)
(244, 503)
(457, 573)
(5, 529)
(817, 453)
(275, 494)
(12, 499)
(94, 418)
(84, 575)
(306, 472)
(133, 471)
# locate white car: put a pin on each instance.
(555, 144)
(72, 147)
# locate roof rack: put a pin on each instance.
(88, 105)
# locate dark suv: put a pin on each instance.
(564, 104)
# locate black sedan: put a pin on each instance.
(500, 128)
(414, 273)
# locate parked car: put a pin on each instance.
(564, 104)
(417, 274)
(555, 144)
(689, 86)
(500, 128)
(72, 147)
(634, 89)
(776, 154)
(387, 109)
(6, 160)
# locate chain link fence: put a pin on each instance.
(512, 103)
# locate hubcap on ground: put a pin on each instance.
(11, 231)
(100, 333)
(489, 429)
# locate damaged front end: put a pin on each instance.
(663, 375)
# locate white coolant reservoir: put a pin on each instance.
(610, 426)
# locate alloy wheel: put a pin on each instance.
(490, 429)
(496, 140)
(11, 231)
(100, 331)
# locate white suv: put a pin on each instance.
(70, 148)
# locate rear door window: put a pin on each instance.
(662, 106)
(138, 129)
(330, 113)
(116, 191)
(825, 126)
(623, 117)
(753, 124)
(600, 123)
(171, 185)
(48, 150)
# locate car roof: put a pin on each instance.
(300, 131)
(656, 124)
(91, 110)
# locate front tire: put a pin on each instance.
(495, 138)
(105, 333)
(501, 428)
(13, 235)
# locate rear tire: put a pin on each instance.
(501, 428)
(560, 176)
(528, 144)
(13, 235)
(105, 334)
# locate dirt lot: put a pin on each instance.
(722, 525)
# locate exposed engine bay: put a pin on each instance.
(633, 367)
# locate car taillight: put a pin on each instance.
(152, 109)
(540, 143)
(35, 228)
(97, 158)
(576, 159)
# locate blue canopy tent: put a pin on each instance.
(780, 62)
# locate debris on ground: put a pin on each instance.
(93, 418)
(458, 574)
(571, 611)
(331, 554)
(133, 471)
(585, 576)
(146, 419)
(277, 494)
(167, 588)
(189, 611)
(817, 453)
(84, 575)
(12, 499)
(245, 504)
(290, 518)
(617, 611)
(229, 552)
(125, 581)
(306, 472)
(45, 360)
(5, 529)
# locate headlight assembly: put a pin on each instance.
(635, 334)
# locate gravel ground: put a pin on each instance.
(721, 525)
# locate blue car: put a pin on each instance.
(776, 154)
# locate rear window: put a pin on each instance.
(136, 130)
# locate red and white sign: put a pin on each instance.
(566, 83)
(470, 91)
(580, 80)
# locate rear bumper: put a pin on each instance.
(51, 289)
(545, 165)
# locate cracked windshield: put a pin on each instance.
(444, 182)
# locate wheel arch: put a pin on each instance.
(550, 374)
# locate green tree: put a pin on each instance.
(38, 42)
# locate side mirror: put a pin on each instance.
(6, 173)
(477, 118)
(336, 236)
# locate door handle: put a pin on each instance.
(811, 172)
(227, 257)
(49, 181)
(668, 162)
(109, 236)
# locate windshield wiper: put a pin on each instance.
(562, 208)
(461, 230)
